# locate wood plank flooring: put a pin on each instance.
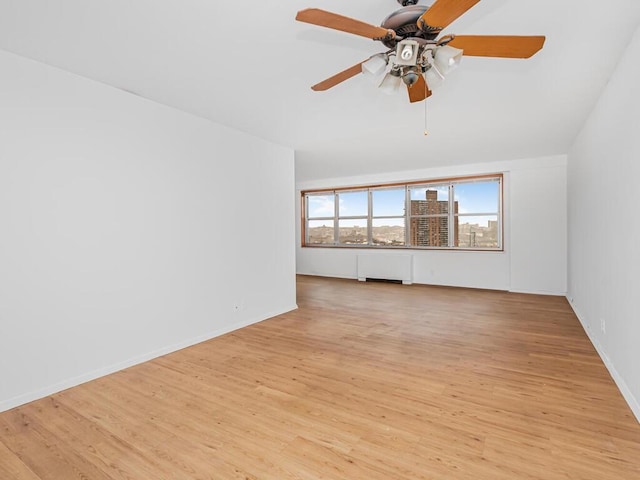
(365, 381)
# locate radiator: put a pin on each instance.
(385, 267)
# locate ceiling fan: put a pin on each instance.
(418, 56)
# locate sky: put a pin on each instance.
(472, 198)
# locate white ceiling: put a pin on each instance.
(249, 65)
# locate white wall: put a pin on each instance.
(538, 225)
(127, 230)
(604, 232)
(534, 258)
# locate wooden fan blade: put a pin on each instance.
(443, 12)
(338, 78)
(419, 90)
(506, 46)
(315, 16)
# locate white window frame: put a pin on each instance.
(451, 214)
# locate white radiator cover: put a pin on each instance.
(385, 267)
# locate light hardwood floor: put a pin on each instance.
(364, 381)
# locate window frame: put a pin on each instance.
(306, 219)
(447, 215)
(373, 217)
(351, 217)
(452, 215)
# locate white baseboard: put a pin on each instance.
(87, 377)
(631, 400)
(539, 292)
(326, 275)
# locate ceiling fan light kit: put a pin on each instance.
(391, 82)
(433, 77)
(376, 65)
(416, 57)
(408, 61)
(447, 59)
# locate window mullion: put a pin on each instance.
(407, 217)
(369, 217)
(306, 219)
(336, 221)
(477, 214)
(452, 218)
(499, 234)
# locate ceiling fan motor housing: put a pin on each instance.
(404, 23)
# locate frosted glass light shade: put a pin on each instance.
(375, 65)
(433, 77)
(374, 68)
(390, 84)
(447, 58)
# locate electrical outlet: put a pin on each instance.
(603, 326)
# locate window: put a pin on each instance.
(321, 219)
(477, 215)
(459, 213)
(352, 217)
(429, 215)
(388, 223)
